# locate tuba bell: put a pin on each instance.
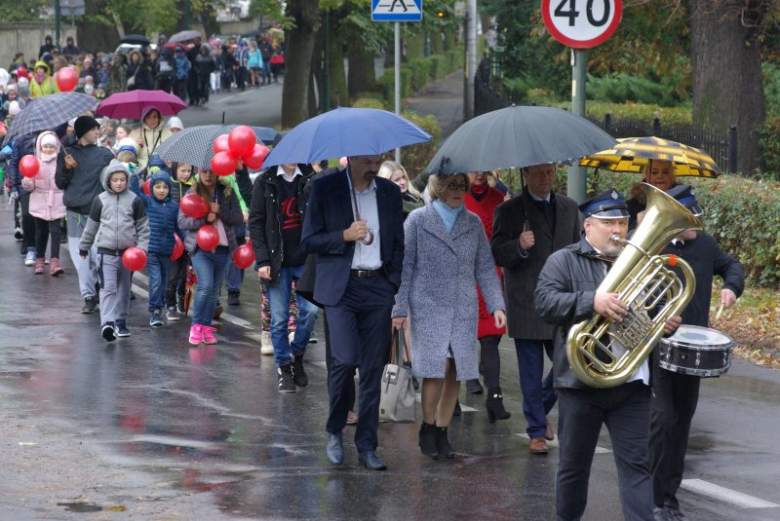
(643, 282)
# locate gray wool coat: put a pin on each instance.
(522, 272)
(439, 291)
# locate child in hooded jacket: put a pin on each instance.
(163, 215)
(117, 221)
(174, 292)
(46, 204)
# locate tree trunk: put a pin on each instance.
(728, 87)
(208, 18)
(299, 44)
(337, 77)
(94, 35)
(362, 76)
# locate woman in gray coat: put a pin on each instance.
(446, 255)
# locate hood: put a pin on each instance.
(145, 112)
(113, 166)
(161, 175)
(41, 136)
(41, 63)
(207, 47)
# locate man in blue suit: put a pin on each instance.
(354, 224)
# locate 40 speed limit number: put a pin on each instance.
(582, 24)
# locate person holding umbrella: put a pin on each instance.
(658, 173)
(444, 242)
(526, 231)
(358, 274)
(150, 135)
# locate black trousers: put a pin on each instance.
(329, 363)
(625, 410)
(360, 337)
(28, 223)
(675, 397)
(43, 229)
(177, 280)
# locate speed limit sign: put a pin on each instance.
(582, 24)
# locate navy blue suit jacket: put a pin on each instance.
(329, 214)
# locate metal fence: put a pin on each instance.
(722, 146)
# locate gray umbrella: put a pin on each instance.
(183, 36)
(49, 112)
(195, 145)
(516, 137)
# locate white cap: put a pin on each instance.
(14, 108)
(174, 122)
(128, 142)
(23, 82)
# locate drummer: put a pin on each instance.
(675, 395)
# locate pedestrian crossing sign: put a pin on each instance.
(396, 10)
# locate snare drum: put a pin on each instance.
(696, 351)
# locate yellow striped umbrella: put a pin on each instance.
(633, 154)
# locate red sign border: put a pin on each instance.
(586, 44)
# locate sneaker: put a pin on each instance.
(266, 346)
(196, 334)
(286, 379)
(90, 305)
(30, 258)
(180, 305)
(172, 314)
(18, 235)
(39, 267)
(352, 418)
(121, 329)
(234, 298)
(299, 373)
(208, 335)
(218, 311)
(312, 338)
(108, 332)
(155, 319)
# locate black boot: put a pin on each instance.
(443, 444)
(473, 386)
(495, 405)
(428, 440)
(457, 411)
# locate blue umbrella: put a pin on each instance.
(346, 132)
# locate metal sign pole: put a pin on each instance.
(577, 182)
(397, 64)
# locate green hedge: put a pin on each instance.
(416, 157)
(418, 73)
(742, 214)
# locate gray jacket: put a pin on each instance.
(116, 221)
(438, 290)
(522, 271)
(564, 296)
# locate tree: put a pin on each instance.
(728, 87)
(16, 11)
(299, 45)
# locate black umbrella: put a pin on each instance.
(49, 112)
(184, 36)
(516, 137)
(195, 145)
(139, 39)
(252, 34)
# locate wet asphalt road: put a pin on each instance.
(150, 428)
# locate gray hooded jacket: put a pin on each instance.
(116, 221)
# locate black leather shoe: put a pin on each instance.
(659, 514)
(334, 449)
(371, 461)
(675, 514)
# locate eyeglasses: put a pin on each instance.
(456, 186)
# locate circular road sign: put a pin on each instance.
(582, 24)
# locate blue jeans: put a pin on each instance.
(538, 396)
(210, 270)
(157, 265)
(279, 300)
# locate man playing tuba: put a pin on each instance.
(565, 295)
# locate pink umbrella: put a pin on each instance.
(130, 105)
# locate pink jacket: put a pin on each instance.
(45, 198)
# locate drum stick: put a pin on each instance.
(720, 312)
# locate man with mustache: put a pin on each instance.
(565, 295)
(354, 225)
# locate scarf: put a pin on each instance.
(447, 213)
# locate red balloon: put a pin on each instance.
(255, 160)
(147, 187)
(67, 79)
(193, 205)
(242, 140)
(244, 256)
(207, 237)
(223, 163)
(221, 144)
(29, 165)
(178, 247)
(134, 258)
(21, 72)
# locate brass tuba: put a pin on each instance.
(641, 279)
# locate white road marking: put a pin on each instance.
(726, 495)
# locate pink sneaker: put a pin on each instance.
(196, 334)
(208, 335)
